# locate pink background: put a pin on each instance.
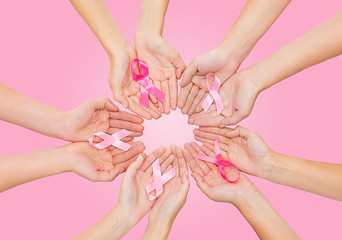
(48, 53)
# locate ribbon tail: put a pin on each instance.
(157, 93)
(143, 97)
(207, 102)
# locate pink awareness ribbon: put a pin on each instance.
(219, 161)
(213, 94)
(109, 140)
(146, 85)
(159, 180)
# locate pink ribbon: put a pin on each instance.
(219, 161)
(146, 85)
(213, 94)
(109, 140)
(159, 180)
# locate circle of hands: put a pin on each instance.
(241, 146)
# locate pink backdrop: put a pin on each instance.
(48, 53)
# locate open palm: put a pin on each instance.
(125, 90)
(165, 67)
(238, 96)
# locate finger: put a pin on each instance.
(152, 157)
(239, 132)
(164, 156)
(119, 96)
(209, 152)
(183, 95)
(128, 139)
(109, 105)
(189, 73)
(122, 124)
(216, 130)
(192, 95)
(125, 165)
(224, 148)
(208, 122)
(202, 165)
(138, 109)
(122, 115)
(179, 64)
(173, 92)
(199, 106)
(153, 98)
(190, 160)
(152, 109)
(234, 119)
(166, 90)
(197, 100)
(181, 161)
(167, 162)
(136, 148)
(202, 114)
(133, 168)
(209, 136)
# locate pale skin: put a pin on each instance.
(241, 91)
(254, 20)
(165, 64)
(133, 203)
(257, 210)
(80, 158)
(98, 115)
(125, 90)
(247, 150)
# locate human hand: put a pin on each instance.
(193, 86)
(101, 165)
(133, 198)
(125, 90)
(175, 191)
(210, 181)
(238, 96)
(241, 146)
(165, 68)
(99, 115)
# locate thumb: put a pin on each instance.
(185, 182)
(228, 121)
(188, 74)
(134, 167)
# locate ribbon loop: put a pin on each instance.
(213, 94)
(109, 140)
(219, 161)
(146, 86)
(158, 180)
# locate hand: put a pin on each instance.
(100, 115)
(210, 181)
(241, 146)
(101, 165)
(125, 90)
(165, 67)
(175, 191)
(133, 198)
(193, 86)
(238, 96)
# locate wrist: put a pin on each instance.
(118, 49)
(158, 228)
(63, 157)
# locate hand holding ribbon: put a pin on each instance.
(146, 86)
(220, 162)
(159, 180)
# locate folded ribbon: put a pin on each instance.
(146, 85)
(109, 140)
(219, 161)
(159, 180)
(213, 94)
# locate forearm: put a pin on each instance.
(113, 226)
(158, 230)
(19, 169)
(254, 20)
(31, 114)
(151, 19)
(263, 217)
(96, 14)
(318, 45)
(320, 178)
